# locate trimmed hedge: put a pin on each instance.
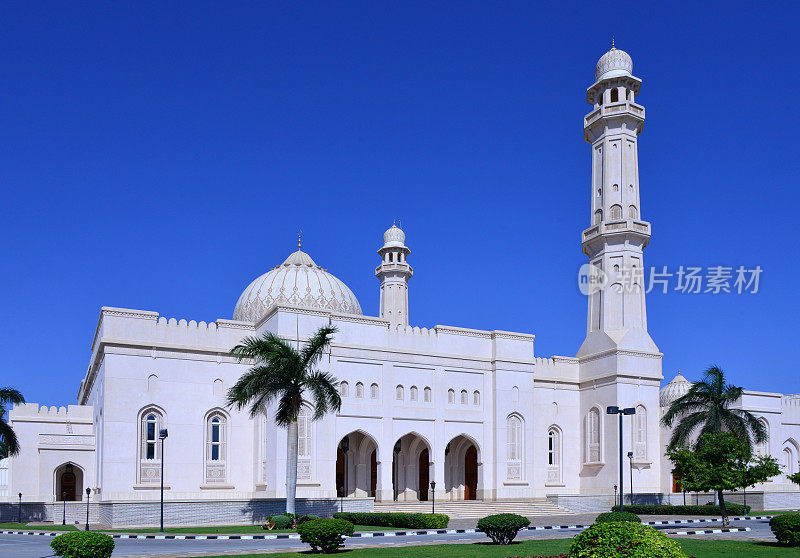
(83, 544)
(281, 521)
(325, 535)
(620, 539)
(786, 528)
(733, 509)
(503, 527)
(402, 520)
(608, 517)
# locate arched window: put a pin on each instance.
(790, 463)
(344, 389)
(476, 397)
(593, 436)
(616, 211)
(515, 394)
(152, 422)
(373, 391)
(762, 448)
(514, 449)
(464, 397)
(426, 394)
(398, 393)
(359, 390)
(216, 456)
(632, 212)
(413, 393)
(598, 216)
(554, 455)
(305, 444)
(614, 95)
(640, 434)
(451, 396)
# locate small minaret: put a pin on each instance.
(617, 236)
(394, 273)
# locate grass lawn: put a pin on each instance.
(549, 547)
(234, 529)
(24, 527)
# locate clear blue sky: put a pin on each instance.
(160, 156)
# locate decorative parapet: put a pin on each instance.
(86, 441)
(32, 412)
(790, 409)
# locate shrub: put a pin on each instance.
(503, 527)
(786, 528)
(325, 535)
(733, 509)
(617, 516)
(401, 520)
(281, 521)
(622, 539)
(82, 544)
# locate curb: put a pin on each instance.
(423, 532)
(712, 531)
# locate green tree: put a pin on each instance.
(795, 478)
(719, 462)
(286, 374)
(707, 407)
(8, 440)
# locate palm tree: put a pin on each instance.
(707, 407)
(285, 374)
(8, 440)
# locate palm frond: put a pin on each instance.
(10, 395)
(324, 392)
(315, 348)
(9, 438)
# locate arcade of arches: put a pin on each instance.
(358, 464)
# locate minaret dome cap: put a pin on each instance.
(614, 63)
(394, 237)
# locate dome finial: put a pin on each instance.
(300, 239)
(612, 42)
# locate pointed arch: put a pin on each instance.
(216, 446)
(462, 460)
(763, 448)
(151, 419)
(411, 467)
(639, 433)
(515, 447)
(68, 481)
(554, 454)
(357, 465)
(593, 435)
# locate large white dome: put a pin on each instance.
(613, 63)
(297, 281)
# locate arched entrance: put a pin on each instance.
(411, 468)
(461, 463)
(356, 465)
(68, 483)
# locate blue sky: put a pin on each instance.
(160, 156)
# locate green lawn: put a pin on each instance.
(550, 547)
(23, 526)
(234, 529)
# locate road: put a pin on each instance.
(37, 546)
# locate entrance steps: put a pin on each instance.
(475, 509)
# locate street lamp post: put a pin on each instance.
(614, 410)
(433, 496)
(341, 498)
(88, 491)
(630, 460)
(615, 494)
(19, 512)
(162, 435)
(64, 499)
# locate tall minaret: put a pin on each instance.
(394, 273)
(615, 241)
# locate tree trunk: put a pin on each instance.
(291, 466)
(723, 510)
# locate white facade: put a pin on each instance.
(476, 411)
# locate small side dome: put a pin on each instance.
(614, 63)
(394, 237)
(678, 387)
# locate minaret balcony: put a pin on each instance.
(634, 227)
(612, 110)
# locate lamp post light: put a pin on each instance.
(64, 500)
(341, 499)
(433, 496)
(88, 491)
(630, 460)
(615, 494)
(162, 435)
(19, 512)
(614, 410)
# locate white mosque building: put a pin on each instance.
(476, 412)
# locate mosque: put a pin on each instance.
(446, 412)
